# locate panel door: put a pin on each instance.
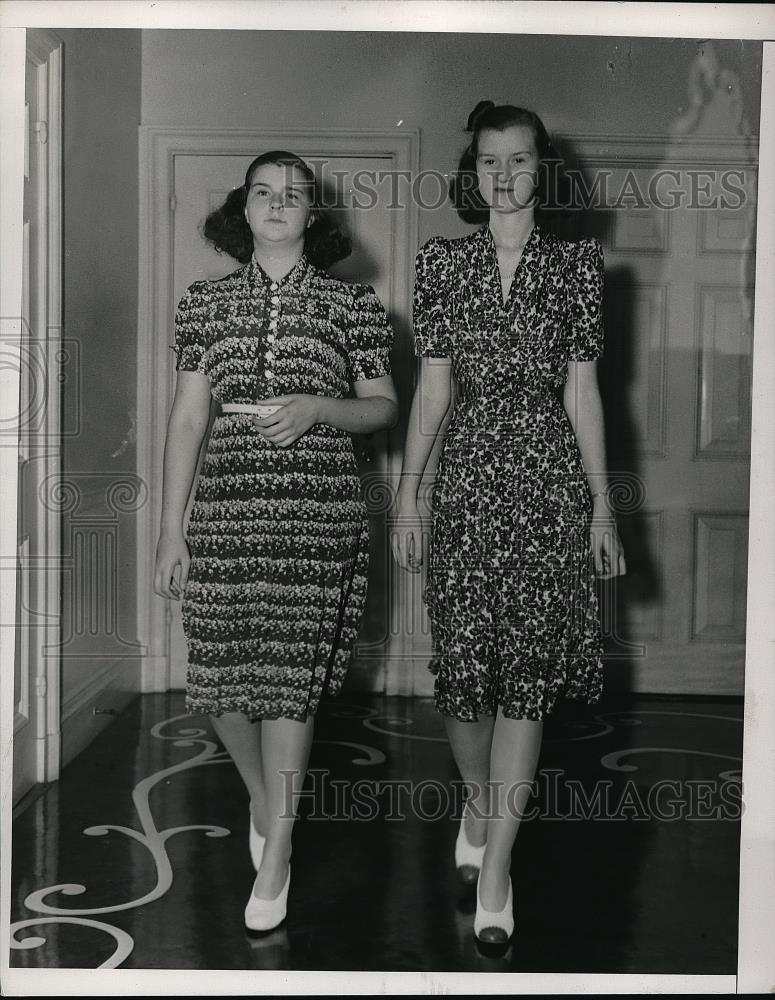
(676, 382)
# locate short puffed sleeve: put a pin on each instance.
(430, 313)
(189, 346)
(585, 301)
(369, 336)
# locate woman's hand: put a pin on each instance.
(606, 544)
(406, 535)
(297, 413)
(171, 554)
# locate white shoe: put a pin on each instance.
(494, 928)
(256, 843)
(266, 914)
(468, 859)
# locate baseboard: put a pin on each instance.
(393, 674)
(155, 675)
(716, 671)
(95, 705)
(366, 674)
(686, 669)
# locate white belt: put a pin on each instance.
(260, 409)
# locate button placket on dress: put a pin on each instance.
(274, 318)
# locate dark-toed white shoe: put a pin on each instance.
(494, 928)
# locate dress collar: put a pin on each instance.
(533, 241)
(527, 278)
(255, 274)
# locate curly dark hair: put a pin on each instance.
(464, 191)
(325, 242)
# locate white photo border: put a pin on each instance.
(756, 961)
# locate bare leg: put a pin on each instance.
(285, 746)
(516, 744)
(242, 738)
(470, 743)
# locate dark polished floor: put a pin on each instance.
(138, 856)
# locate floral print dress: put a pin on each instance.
(511, 583)
(278, 536)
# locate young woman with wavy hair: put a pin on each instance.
(272, 572)
(510, 318)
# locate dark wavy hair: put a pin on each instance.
(325, 242)
(553, 184)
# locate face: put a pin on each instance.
(278, 207)
(507, 167)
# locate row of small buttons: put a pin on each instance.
(274, 315)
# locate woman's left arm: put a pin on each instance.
(367, 339)
(584, 407)
(374, 409)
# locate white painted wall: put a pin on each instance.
(102, 70)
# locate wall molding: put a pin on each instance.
(650, 150)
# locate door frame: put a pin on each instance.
(45, 48)
(159, 145)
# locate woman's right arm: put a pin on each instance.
(186, 429)
(428, 417)
(431, 404)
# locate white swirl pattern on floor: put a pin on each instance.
(155, 840)
(149, 836)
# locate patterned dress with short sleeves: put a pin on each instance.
(511, 584)
(278, 536)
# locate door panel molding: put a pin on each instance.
(651, 298)
(719, 562)
(715, 303)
